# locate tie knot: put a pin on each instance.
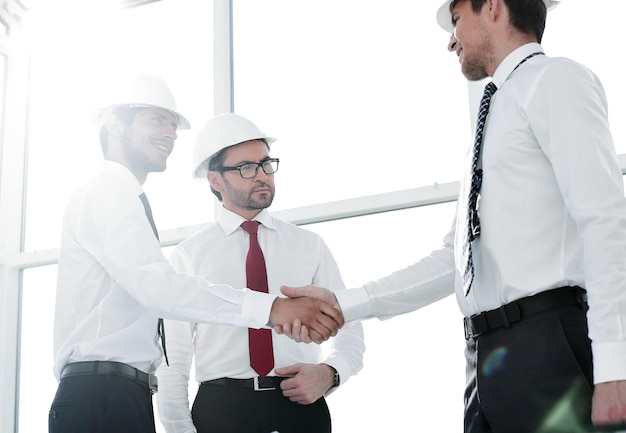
(490, 88)
(251, 227)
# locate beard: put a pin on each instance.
(474, 70)
(474, 66)
(244, 199)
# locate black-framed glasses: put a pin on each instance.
(250, 169)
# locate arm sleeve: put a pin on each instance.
(172, 400)
(569, 115)
(406, 290)
(173, 397)
(117, 233)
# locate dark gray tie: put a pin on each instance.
(473, 222)
(160, 324)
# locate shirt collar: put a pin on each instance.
(121, 172)
(230, 221)
(512, 60)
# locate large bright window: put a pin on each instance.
(364, 97)
(361, 102)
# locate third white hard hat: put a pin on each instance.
(222, 131)
(444, 19)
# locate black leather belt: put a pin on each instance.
(517, 310)
(268, 383)
(88, 368)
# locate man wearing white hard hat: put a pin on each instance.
(537, 253)
(114, 284)
(288, 396)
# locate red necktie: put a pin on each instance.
(260, 340)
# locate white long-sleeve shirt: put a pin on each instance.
(552, 210)
(294, 257)
(114, 282)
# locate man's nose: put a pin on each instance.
(453, 42)
(170, 131)
(261, 175)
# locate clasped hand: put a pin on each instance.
(308, 314)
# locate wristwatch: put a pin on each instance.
(336, 380)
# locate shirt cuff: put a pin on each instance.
(341, 366)
(608, 361)
(355, 304)
(256, 308)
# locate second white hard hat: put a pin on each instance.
(222, 131)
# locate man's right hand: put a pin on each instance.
(297, 330)
(321, 319)
(312, 292)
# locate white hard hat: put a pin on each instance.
(222, 131)
(444, 19)
(141, 91)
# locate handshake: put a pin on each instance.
(308, 314)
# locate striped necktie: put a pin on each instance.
(473, 222)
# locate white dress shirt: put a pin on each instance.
(552, 210)
(114, 282)
(294, 257)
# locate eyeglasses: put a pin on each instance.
(250, 169)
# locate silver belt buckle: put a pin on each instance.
(467, 324)
(257, 386)
(153, 384)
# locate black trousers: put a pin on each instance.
(101, 404)
(223, 409)
(534, 377)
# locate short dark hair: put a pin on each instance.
(527, 16)
(215, 163)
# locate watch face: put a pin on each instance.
(336, 379)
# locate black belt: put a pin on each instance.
(517, 310)
(88, 368)
(268, 383)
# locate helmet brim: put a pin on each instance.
(99, 116)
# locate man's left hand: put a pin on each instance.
(309, 382)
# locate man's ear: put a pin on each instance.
(215, 180)
(115, 126)
(495, 9)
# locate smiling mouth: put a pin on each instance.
(163, 148)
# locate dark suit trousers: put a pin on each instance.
(533, 377)
(101, 404)
(222, 409)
